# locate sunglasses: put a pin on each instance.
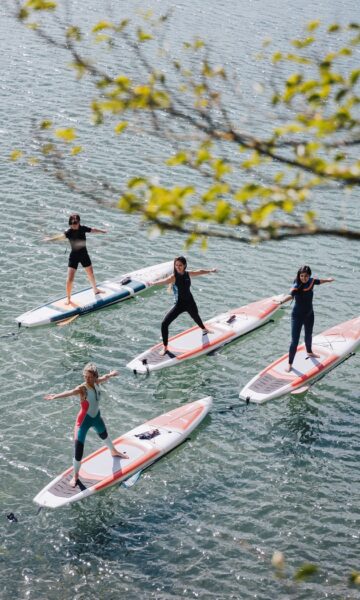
(74, 222)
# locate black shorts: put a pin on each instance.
(79, 256)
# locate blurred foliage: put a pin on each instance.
(252, 183)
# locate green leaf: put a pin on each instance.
(23, 14)
(66, 135)
(136, 182)
(340, 94)
(142, 36)
(46, 124)
(73, 33)
(276, 57)
(41, 4)
(76, 150)
(303, 43)
(354, 76)
(312, 25)
(307, 570)
(16, 155)
(222, 211)
(119, 128)
(354, 577)
(101, 25)
(179, 159)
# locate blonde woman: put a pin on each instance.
(89, 415)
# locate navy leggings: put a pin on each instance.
(189, 307)
(297, 321)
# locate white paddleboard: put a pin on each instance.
(333, 346)
(114, 290)
(192, 343)
(144, 445)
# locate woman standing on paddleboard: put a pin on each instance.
(184, 301)
(76, 234)
(302, 313)
(89, 415)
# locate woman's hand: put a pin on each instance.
(113, 374)
(50, 397)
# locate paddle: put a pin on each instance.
(67, 321)
(128, 483)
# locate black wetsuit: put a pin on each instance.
(302, 315)
(79, 253)
(184, 302)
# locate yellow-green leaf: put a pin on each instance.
(119, 128)
(312, 25)
(46, 124)
(333, 28)
(354, 76)
(66, 135)
(73, 33)
(75, 150)
(143, 36)
(136, 182)
(16, 155)
(41, 4)
(101, 25)
(179, 159)
(305, 571)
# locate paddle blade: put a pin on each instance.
(67, 321)
(132, 480)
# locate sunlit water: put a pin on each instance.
(204, 522)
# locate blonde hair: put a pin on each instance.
(91, 368)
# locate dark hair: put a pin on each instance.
(304, 269)
(74, 217)
(181, 259)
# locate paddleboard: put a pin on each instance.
(333, 347)
(193, 343)
(113, 290)
(144, 445)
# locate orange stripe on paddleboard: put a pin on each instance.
(180, 421)
(134, 466)
(320, 367)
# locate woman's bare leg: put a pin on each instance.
(91, 278)
(69, 284)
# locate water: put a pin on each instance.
(205, 521)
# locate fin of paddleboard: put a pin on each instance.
(132, 480)
(301, 390)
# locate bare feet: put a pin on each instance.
(207, 330)
(119, 454)
(74, 480)
(163, 351)
(313, 355)
(97, 291)
(67, 301)
(288, 368)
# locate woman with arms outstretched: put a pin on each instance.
(303, 313)
(89, 415)
(184, 301)
(76, 234)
